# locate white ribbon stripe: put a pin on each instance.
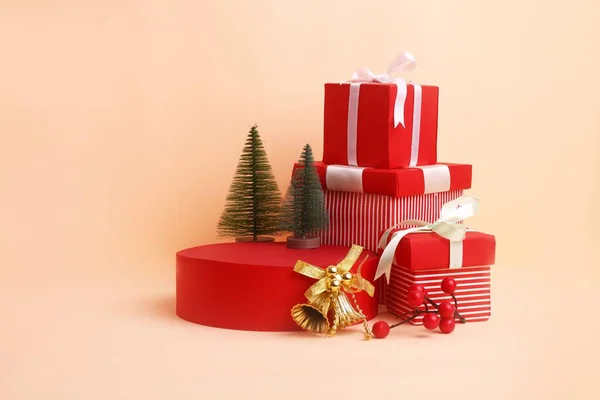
(353, 123)
(446, 226)
(344, 178)
(416, 128)
(456, 254)
(403, 62)
(436, 178)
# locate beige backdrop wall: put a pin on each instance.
(122, 121)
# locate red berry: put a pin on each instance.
(447, 325)
(448, 285)
(380, 329)
(431, 321)
(446, 309)
(419, 288)
(415, 298)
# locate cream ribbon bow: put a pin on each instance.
(446, 226)
(403, 62)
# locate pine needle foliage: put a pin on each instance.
(304, 211)
(253, 205)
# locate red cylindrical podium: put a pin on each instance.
(252, 286)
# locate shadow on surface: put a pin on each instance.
(159, 307)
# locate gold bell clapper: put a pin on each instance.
(333, 293)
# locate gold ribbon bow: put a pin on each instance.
(329, 294)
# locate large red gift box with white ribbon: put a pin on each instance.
(402, 182)
(362, 202)
(424, 258)
(380, 125)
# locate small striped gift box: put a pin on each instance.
(473, 293)
(424, 258)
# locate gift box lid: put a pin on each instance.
(402, 182)
(428, 251)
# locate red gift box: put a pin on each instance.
(360, 127)
(359, 218)
(403, 182)
(424, 258)
(427, 250)
(253, 286)
(473, 292)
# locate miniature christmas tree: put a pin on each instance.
(304, 211)
(253, 205)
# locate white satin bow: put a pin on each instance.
(446, 226)
(403, 62)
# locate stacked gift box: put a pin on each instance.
(380, 168)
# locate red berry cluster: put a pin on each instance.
(443, 317)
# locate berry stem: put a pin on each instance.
(402, 315)
(431, 302)
(416, 314)
(456, 314)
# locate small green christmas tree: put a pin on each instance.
(304, 211)
(253, 205)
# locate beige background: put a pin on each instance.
(121, 125)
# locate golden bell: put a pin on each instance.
(346, 314)
(313, 316)
(328, 295)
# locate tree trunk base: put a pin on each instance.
(251, 239)
(312, 242)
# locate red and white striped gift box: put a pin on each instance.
(359, 218)
(473, 292)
